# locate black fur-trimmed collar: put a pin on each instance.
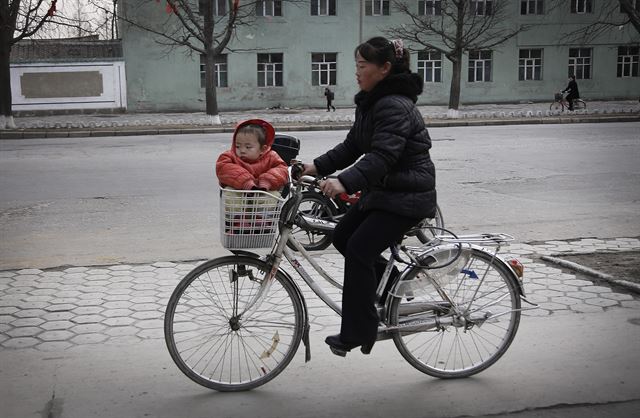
(405, 84)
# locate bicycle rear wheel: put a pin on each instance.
(466, 334)
(220, 337)
(430, 227)
(579, 104)
(557, 107)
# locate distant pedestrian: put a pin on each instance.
(330, 96)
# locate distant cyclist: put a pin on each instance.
(572, 91)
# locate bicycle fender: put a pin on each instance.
(508, 267)
(307, 327)
(246, 253)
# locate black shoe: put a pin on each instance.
(340, 349)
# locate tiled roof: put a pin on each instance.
(82, 49)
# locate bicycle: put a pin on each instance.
(235, 322)
(321, 215)
(560, 103)
(317, 234)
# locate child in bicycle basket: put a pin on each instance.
(250, 164)
(387, 155)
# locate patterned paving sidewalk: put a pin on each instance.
(58, 308)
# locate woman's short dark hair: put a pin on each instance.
(379, 50)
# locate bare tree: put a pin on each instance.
(204, 27)
(23, 19)
(608, 15)
(454, 27)
(19, 19)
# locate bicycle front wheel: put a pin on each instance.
(227, 329)
(315, 205)
(466, 332)
(557, 107)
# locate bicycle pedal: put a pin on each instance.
(338, 352)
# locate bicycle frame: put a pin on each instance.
(439, 244)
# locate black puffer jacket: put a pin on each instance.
(395, 173)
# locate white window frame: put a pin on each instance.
(581, 6)
(220, 71)
(381, 5)
(531, 66)
(479, 7)
(325, 72)
(429, 7)
(430, 66)
(219, 7)
(628, 63)
(323, 7)
(537, 5)
(269, 8)
(272, 70)
(580, 62)
(482, 66)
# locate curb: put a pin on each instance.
(30, 133)
(591, 272)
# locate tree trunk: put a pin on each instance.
(210, 85)
(210, 64)
(454, 90)
(5, 74)
(456, 59)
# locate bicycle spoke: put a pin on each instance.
(221, 336)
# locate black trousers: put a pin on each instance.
(361, 237)
(329, 105)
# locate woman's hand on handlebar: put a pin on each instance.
(332, 187)
(299, 169)
(309, 169)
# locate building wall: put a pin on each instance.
(160, 78)
(67, 75)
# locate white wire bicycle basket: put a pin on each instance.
(249, 218)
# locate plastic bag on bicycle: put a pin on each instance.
(452, 262)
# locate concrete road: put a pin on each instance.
(92, 201)
(575, 365)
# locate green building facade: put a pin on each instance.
(293, 50)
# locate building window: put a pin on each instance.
(479, 66)
(324, 69)
(323, 7)
(628, 58)
(269, 8)
(581, 6)
(635, 4)
(219, 72)
(430, 66)
(219, 7)
(376, 7)
(270, 69)
(531, 7)
(429, 7)
(530, 64)
(580, 62)
(482, 7)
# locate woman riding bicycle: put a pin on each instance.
(395, 174)
(572, 91)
